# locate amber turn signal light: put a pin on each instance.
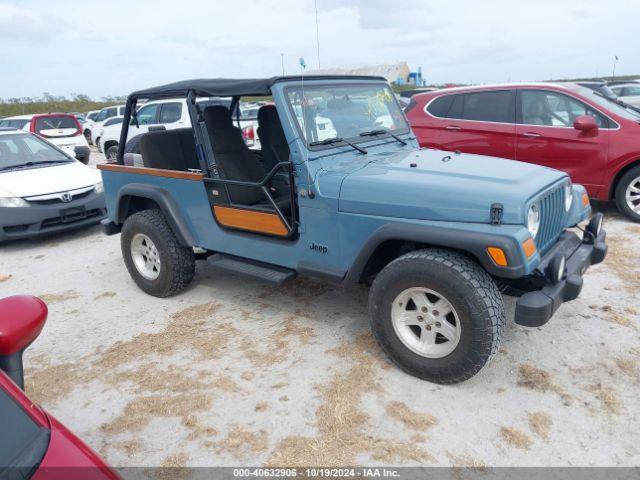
(585, 200)
(529, 247)
(498, 256)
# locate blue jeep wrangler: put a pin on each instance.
(340, 190)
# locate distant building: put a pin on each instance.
(398, 73)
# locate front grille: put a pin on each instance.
(551, 218)
(53, 201)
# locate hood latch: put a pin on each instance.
(497, 210)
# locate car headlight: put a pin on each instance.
(568, 195)
(533, 220)
(13, 202)
(99, 187)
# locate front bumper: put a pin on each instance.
(534, 309)
(42, 219)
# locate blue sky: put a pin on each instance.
(113, 47)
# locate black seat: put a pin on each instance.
(274, 144)
(235, 161)
(169, 149)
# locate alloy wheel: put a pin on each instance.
(426, 322)
(145, 256)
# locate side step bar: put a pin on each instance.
(252, 268)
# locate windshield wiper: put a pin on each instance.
(331, 141)
(31, 164)
(382, 131)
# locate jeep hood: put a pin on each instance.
(435, 185)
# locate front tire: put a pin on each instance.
(628, 194)
(437, 315)
(156, 261)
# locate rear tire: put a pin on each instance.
(156, 261)
(133, 145)
(628, 194)
(112, 153)
(461, 305)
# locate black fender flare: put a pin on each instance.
(473, 243)
(166, 203)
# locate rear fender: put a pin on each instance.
(163, 199)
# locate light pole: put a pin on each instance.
(317, 33)
(282, 60)
(615, 60)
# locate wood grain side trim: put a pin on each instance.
(156, 172)
(250, 220)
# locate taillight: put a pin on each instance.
(248, 133)
(78, 126)
(32, 125)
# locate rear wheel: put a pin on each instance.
(112, 152)
(156, 261)
(437, 314)
(628, 194)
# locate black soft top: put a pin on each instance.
(228, 87)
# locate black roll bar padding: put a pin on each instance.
(129, 107)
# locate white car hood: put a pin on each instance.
(48, 179)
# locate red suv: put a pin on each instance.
(565, 126)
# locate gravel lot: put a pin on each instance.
(235, 372)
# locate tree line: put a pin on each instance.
(77, 102)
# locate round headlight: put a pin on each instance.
(568, 195)
(533, 220)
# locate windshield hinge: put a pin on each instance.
(496, 213)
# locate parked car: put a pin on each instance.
(414, 91)
(61, 129)
(19, 122)
(98, 130)
(33, 444)
(437, 235)
(628, 93)
(170, 114)
(599, 86)
(42, 189)
(103, 115)
(90, 118)
(564, 126)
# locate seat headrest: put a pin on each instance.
(269, 123)
(217, 116)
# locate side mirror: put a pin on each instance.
(585, 124)
(22, 318)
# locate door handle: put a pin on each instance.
(453, 128)
(531, 134)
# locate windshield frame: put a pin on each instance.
(357, 139)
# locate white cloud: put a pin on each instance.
(112, 48)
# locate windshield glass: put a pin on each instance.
(22, 442)
(19, 150)
(609, 104)
(345, 111)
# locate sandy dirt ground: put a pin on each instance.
(236, 372)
